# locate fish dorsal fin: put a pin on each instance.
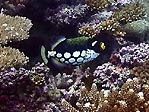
(60, 39)
(78, 40)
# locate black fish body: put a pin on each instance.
(69, 52)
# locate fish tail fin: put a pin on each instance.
(43, 55)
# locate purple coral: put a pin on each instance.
(131, 56)
(108, 76)
(12, 76)
(67, 14)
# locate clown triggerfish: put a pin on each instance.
(73, 51)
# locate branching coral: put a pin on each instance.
(131, 56)
(68, 14)
(98, 4)
(13, 28)
(10, 57)
(19, 93)
(142, 72)
(131, 98)
(130, 12)
(87, 102)
(108, 76)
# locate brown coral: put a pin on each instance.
(88, 31)
(142, 72)
(131, 12)
(133, 97)
(13, 28)
(11, 57)
(87, 102)
(98, 4)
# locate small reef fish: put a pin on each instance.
(73, 51)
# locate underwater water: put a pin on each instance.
(74, 56)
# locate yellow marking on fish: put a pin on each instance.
(102, 45)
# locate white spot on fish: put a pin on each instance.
(62, 59)
(93, 54)
(76, 53)
(67, 55)
(71, 60)
(75, 63)
(80, 59)
(83, 53)
(66, 62)
(59, 55)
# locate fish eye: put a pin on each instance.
(102, 45)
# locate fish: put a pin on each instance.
(73, 51)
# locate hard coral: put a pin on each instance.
(115, 23)
(13, 28)
(66, 14)
(108, 76)
(13, 7)
(87, 102)
(19, 93)
(11, 57)
(98, 4)
(131, 12)
(131, 56)
(142, 72)
(131, 98)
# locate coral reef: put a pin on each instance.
(118, 84)
(130, 12)
(108, 76)
(11, 57)
(132, 97)
(67, 14)
(142, 72)
(12, 29)
(20, 93)
(87, 102)
(139, 29)
(131, 56)
(13, 7)
(98, 4)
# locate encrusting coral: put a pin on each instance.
(131, 98)
(12, 29)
